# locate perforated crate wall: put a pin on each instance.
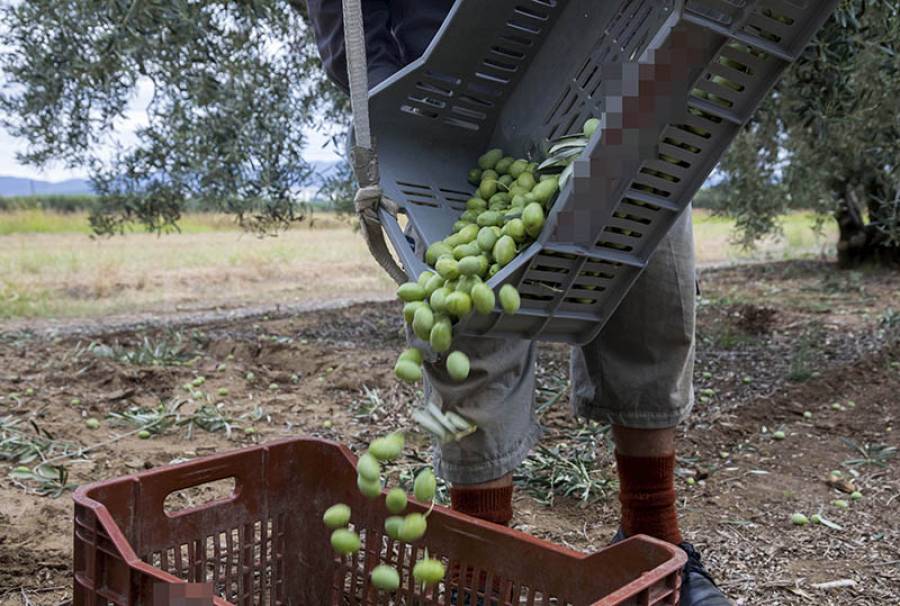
(672, 83)
(264, 543)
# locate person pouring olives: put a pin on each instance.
(636, 376)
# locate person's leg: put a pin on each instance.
(645, 460)
(384, 56)
(637, 375)
(415, 24)
(498, 397)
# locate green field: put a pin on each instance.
(36, 221)
(50, 267)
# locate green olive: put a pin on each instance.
(388, 447)
(504, 250)
(423, 321)
(441, 336)
(526, 181)
(483, 298)
(515, 229)
(489, 159)
(425, 485)
(385, 578)
(395, 500)
(413, 355)
(475, 176)
(471, 265)
(798, 519)
(510, 300)
(468, 234)
(369, 489)
(423, 278)
(392, 526)
(533, 218)
(465, 250)
(435, 251)
(345, 541)
(476, 204)
(517, 168)
(438, 299)
(413, 527)
(447, 267)
(467, 217)
(546, 189)
(458, 304)
(337, 516)
(504, 164)
(458, 366)
(489, 217)
(500, 199)
(486, 238)
(410, 291)
(465, 283)
(428, 572)
(487, 189)
(367, 467)
(408, 371)
(409, 310)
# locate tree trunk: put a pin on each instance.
(861, 243)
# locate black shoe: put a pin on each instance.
(697, 585)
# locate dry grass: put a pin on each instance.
(60, 272)
(799, 239)
(68, 275)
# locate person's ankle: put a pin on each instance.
(647, 495)
(490, 501)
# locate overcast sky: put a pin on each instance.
(135, 117)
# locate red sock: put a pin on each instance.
(647, 494)
(491, 504)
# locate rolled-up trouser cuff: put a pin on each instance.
(476, 472)
(497, 396)
(634, 419)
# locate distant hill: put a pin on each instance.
(18, 186)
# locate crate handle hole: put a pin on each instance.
(179, 502)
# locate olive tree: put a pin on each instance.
(827, 138)
(236, 84)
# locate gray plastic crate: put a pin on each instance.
(672, 83)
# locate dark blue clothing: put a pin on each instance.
(397, 33)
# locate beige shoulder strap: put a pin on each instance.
(369, 198)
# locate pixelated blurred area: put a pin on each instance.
(184, 594)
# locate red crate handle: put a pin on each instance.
(159, 527)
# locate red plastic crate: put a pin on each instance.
(265, 542)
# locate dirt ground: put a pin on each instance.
(796, 348)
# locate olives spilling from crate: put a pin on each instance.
(406, 527)
(504, 216)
